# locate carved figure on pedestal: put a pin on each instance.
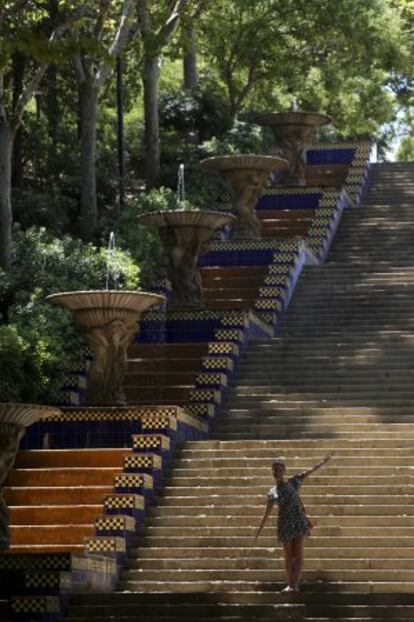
(110, 321)
(245, 176)
(185, 234)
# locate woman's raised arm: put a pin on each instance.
(317, 466)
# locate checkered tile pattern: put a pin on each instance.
(124, 502)
(35, 604)
(115, 523)
(153, 441)
(264, 304)
(218, 363)
(42, 579)
(102, 544)
(35, 562)
(133, 480)
(226, 334)
(155, 422)
(223, 347)
(208, 379)
(204, 395)
(270, 292)
(143, 461)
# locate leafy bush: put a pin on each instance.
(40, 342)
(203, 112)
(51, 210)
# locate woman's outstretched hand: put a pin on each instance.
(328, 457)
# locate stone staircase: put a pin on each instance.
(337, 377)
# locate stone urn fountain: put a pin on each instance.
(245, 176)
(184, 233)
(294, 132)
(14, 419)
(110, 320)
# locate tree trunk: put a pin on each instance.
(7, 135)
(150, 78)
(190, 59)
(18, 68)
(120, 132)
(89, 210)
(52, 113)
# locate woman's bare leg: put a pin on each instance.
(298, 548)
(289, 559)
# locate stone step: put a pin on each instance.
(226, 447)
(163, 365)
(55, 458)
(329, 385)
(57, 477)
(260, 476)
(248, 562)
(309, 428)
(158, 395)
(153, 553)
(174, 350)
(54, 515)
(268, 540)
(251, 521)
(159, 378)
(303, 376)
(182, 496)
(352, 591)
(55, 495)
(309, 594)
(238, 611)
(235, 417)
(338, 574)
(363, 413)
(50, 534)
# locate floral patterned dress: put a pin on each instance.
(292, 520)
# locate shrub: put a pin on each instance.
(41, 339)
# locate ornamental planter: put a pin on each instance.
(110, 320)
(294, 133)
(184, 233)
(245, 176)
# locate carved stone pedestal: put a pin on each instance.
(184, 234)
(110, 322)
(14, 418)
(294, 133)
(245, 176)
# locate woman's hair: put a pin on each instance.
(279, 461)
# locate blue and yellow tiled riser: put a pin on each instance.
(38, 586)
(153, 434)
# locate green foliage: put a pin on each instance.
(15, 383)
(40, 338)
(203, 112)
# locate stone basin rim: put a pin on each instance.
(204, 218)
(24, 415)
(115, 298)
(243, 161)
(294, 118)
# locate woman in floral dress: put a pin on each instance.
(293, 524)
